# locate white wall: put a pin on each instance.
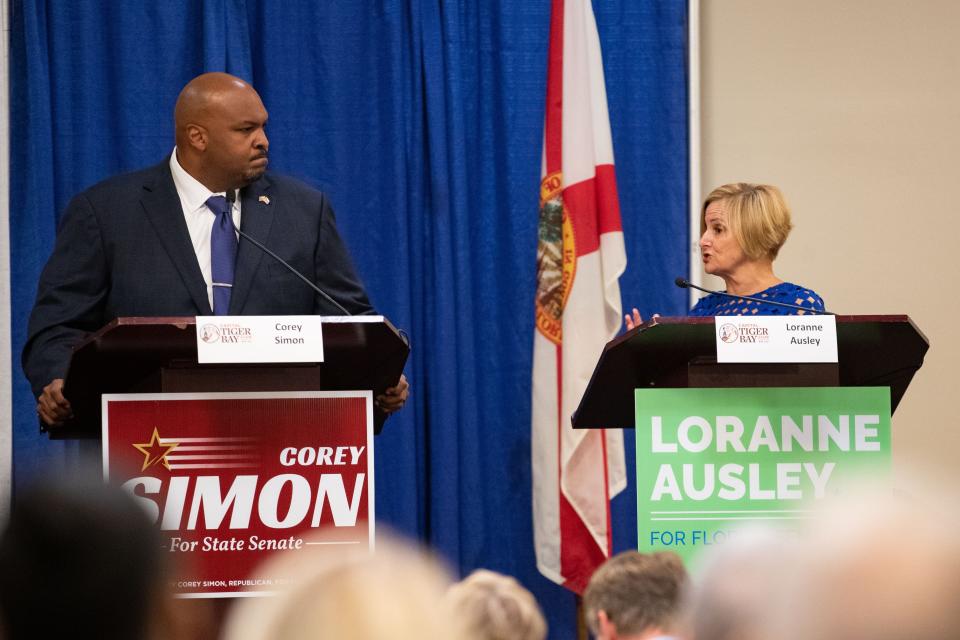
(853, 109)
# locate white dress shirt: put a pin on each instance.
(199, 217)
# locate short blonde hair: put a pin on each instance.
(492, 606)
(757, 214)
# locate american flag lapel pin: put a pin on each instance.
(264, 199)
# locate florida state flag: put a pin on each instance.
(579, 260)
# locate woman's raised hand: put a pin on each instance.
(633, 319)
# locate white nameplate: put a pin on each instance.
(259, 339)
(776, 338)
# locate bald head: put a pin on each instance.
(201, 97)
(219, 122)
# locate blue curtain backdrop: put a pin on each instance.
(423, 121)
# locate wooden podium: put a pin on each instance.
(237, 461)
(873, 351)
(159, 355)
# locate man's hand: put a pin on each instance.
(394, 397)
(53, 408)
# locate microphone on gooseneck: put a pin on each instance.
(685, 284)
(231, 198)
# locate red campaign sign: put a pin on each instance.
(233, 477)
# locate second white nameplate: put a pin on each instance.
(776, 338)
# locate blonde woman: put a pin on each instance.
(742, 229)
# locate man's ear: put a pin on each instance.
(197, 136)
(608, 630)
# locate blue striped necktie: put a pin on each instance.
(223, 253)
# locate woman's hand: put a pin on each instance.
(633, 319)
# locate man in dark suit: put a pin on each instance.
(146, 243)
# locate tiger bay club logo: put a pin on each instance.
(728, 333)
(225, 333)
(744, 334)
(210, 333)
(556, 259)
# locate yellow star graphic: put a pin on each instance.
(155, 452)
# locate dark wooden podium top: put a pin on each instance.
(153, 355)
(872, 351)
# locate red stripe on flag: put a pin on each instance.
(579, 553)
(553, 121)
(606, 493)
(593, 209)
(608, 212)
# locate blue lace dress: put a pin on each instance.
(717, 305)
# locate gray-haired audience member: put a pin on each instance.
(492, 606)
(635, 596)
(79, 560)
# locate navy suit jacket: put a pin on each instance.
(123, 249)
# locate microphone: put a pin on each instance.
(231, 198)
(686, 284)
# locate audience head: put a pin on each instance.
(756, 214)
(877, 568)
(491, 606)
(79, 560)
(395, 592)
(736, 584)
(633, 595)
(869, 566)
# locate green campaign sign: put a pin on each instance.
(712, 460)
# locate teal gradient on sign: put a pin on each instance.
(695, 488)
